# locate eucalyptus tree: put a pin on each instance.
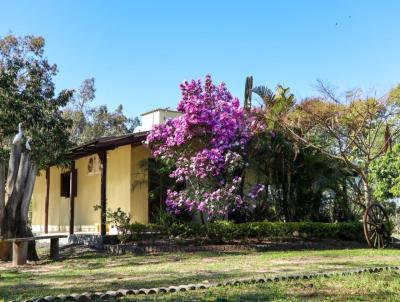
(33, 131)
(89, 122)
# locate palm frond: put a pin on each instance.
(265, 94)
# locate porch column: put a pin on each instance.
(46, 201)
(103, 191)
(72, 191)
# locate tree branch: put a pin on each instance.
(327, 91)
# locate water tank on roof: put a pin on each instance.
(155, 117)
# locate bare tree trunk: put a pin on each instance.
(26, 198)
(15, 195)
(367, 193)
(13, 165)
(15, 198)
(22, 220)
(343, 213)
(18, 190)
(32, 254)
(290, 209)
(367, 188)
(2, 193)
(4, 247)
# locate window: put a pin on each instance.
(65, 184)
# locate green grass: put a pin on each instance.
(384, 286)
(84, 270)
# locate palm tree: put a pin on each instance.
(296, 178)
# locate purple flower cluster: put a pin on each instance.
(255, 191)
(214, 201)
(204, 146)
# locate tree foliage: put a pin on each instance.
(30, 109)
(89, 122)
(27, 95)
(385, 175)
(301, 183)
(355, 132)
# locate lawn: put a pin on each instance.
(383, 286)
(84, 270)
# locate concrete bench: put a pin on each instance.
(20, 247)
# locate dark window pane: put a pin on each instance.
(65, 184)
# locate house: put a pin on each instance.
(110, 172)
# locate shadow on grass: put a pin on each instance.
(82, 269)
(301, 291)
(21, 286)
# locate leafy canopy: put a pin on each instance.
(385, 175)
(89, 123)
(27, 95)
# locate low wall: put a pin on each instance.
(170, 247)
(93, 240)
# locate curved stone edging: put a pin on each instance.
(89, 296)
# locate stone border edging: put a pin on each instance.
(120, 249)
(89, 296)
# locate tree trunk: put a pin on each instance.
(24, 231)
(2, 193)
(5, 247)
(345, 203)
(367, 189)
(290, 208)
(367, 193)
(22, 220)
(26, 197)
(15, 196)
(13, 166)
(17, 192)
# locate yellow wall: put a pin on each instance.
(139, 188)
(58, 206)
(126, 188)
(88, 189)
(119, 179)
(38, 196)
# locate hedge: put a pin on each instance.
(226, 231)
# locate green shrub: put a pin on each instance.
(227, 231)
(121, 220)
(185, 230)
(135, 230)
(127, 231)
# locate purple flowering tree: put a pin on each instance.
(205, 148)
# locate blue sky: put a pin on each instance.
(139, 51)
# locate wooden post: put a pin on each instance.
(54, 246)
(103, 192)
(20, 249)
(72, 198)
(46, 201)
